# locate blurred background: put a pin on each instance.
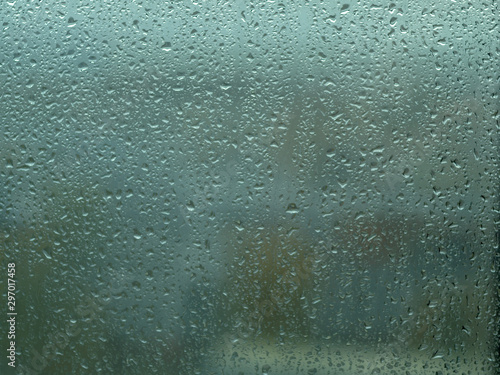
(250, 187)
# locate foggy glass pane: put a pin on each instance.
(249, 187)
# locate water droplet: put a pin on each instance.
(292, 209)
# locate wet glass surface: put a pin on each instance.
(250, 187)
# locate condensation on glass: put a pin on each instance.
(261, 187)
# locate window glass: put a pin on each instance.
(249, 187)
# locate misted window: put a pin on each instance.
(249, 187)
